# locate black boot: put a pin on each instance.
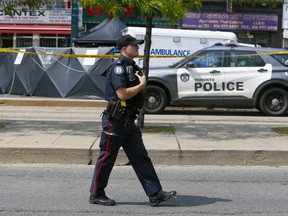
(102, 200)
(161, 196)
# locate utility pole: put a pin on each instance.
(74, 22)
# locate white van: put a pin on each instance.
(176, 42)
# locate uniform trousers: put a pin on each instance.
(116, 134)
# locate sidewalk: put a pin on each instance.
(196, 142)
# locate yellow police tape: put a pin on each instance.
(7, 50)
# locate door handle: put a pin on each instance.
(214, 71)
(262, 70)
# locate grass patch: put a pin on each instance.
(1, 125)
(159, 129)
(281, 130)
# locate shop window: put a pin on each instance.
(260, 38)
(47, 42)
(6, 43)
(27, 40)
(64, 42)
(54, 41)
(24, 42)
(6, 40)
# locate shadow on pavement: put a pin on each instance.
(182, 201)
(186, 200)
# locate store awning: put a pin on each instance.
(36, 29)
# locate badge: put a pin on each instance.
(118, 70)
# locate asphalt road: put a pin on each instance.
(46, 189)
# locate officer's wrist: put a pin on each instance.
(142, 85)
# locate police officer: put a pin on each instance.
(124, 85)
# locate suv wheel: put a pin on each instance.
(274, 102)
(156, 99)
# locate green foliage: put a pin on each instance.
(253, 3)
(281, 130)
(159, 129)
(173, 9)
(11, 6)
(112, 7)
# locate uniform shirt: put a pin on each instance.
(121, 73)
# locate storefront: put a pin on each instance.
(249, 28)
(257, 25)
(132, 17)
(41, 27)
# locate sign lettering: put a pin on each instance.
(227, 21)
(37, 17)
(213, 86)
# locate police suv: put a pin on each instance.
(223, 76)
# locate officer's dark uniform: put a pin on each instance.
(122, 132)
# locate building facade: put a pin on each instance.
(257, 25)
(47, 26)
(51, 26)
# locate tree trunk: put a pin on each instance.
(74, 22)
(140, 120)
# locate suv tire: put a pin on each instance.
(156, 99)
(274, 102)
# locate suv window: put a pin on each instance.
(245, 59)
(281, 58)
(210, 58)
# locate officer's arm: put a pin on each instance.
(127, 93)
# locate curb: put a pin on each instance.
(159, 157)
(42, 155)
(52, 102)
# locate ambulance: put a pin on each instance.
(177, 43)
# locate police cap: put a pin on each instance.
(127, 40)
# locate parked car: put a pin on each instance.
(223, 76)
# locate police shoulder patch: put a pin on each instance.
(118, 70)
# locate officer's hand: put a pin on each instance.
(142, 78)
